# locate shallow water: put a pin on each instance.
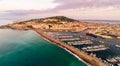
(27, 48)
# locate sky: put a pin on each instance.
(78, 9)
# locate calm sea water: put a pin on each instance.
(27, 48)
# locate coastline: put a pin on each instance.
(76, 56)
(66, 50)
(80, 55)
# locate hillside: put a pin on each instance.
(56, 22)
(62, 23)
(54, 19)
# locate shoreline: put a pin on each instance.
(76, 56)
(67, 51)
(80, 55)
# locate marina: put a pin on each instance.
(59, 32)
(81, 54)
(99, 47)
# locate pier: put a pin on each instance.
(94, 48)
(79, 42)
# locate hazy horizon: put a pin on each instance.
(9, 21)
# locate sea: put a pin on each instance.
(27, 48)
(103, 21)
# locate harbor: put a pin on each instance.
(81, 54)
(99, 47)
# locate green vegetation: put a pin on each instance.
(49, 26)
(62, 18)
(58, 18)
(30, 26)
(19, 23)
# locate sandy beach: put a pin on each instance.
(92, 60)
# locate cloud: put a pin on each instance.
(70, 4)
(67, 4)
(71, 8)
(27, 4)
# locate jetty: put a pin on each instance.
(95, 48)
(79, 42)
(92, 60)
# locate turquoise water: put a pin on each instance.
(27, 48)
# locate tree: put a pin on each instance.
(49, 26)
(30, 26)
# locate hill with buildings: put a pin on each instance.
(62, 23)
